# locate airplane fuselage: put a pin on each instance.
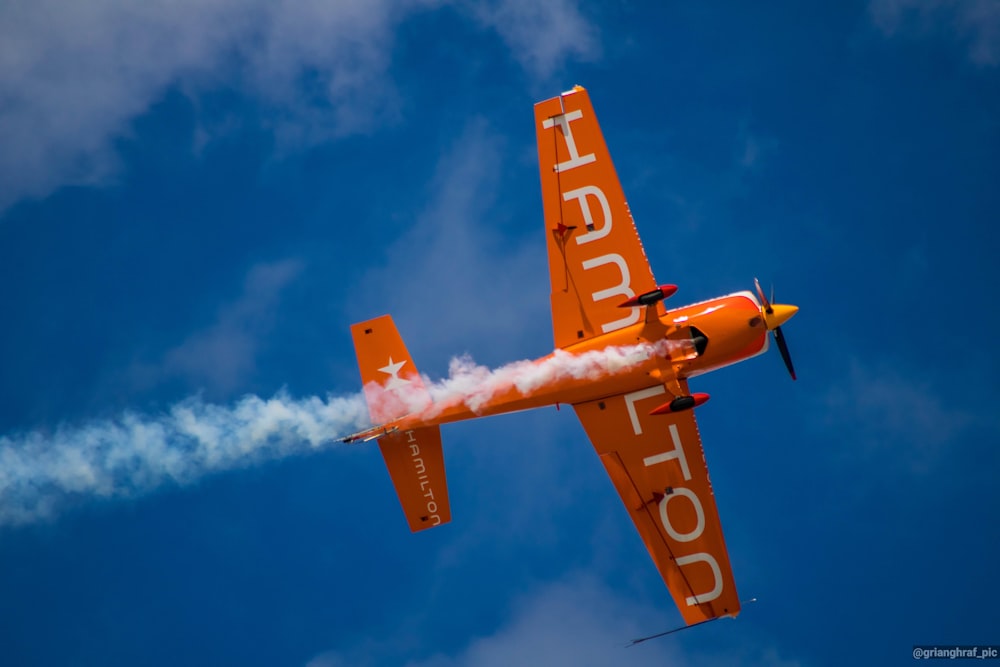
(731, 325)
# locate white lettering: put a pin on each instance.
(665, 517)
(621, 289)
(581, 194)
(702, 598)
(575, 159)
(421, 470)
(676, 453)
(632, 399)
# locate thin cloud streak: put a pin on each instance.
(576, 621)
(224, 355)
(973, 22)
(886, 411)
(458, 229)
(541, 35)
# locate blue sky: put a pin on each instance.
(198, 198)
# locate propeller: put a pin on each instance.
(774, 316)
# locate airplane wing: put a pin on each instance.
(596, 260)
(658, 466)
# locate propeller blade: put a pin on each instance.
(773, 323)
(763, 299)
(779, 338)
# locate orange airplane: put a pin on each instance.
(622, 360)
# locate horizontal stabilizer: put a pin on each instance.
(393, 389)
(369, 434)
(392, 385)
(416, 465)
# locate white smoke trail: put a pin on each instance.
(475, 385)
(42, 472)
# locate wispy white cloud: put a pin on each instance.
(753, 148)
(222, 357)
(888, 411)
(74, 75)
(974, 22)
(541, 35)
(577, 621)
(464, 281)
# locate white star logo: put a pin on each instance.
(394, 381)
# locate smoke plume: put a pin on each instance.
(43, 471)
(475, 385)
(133, 454)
